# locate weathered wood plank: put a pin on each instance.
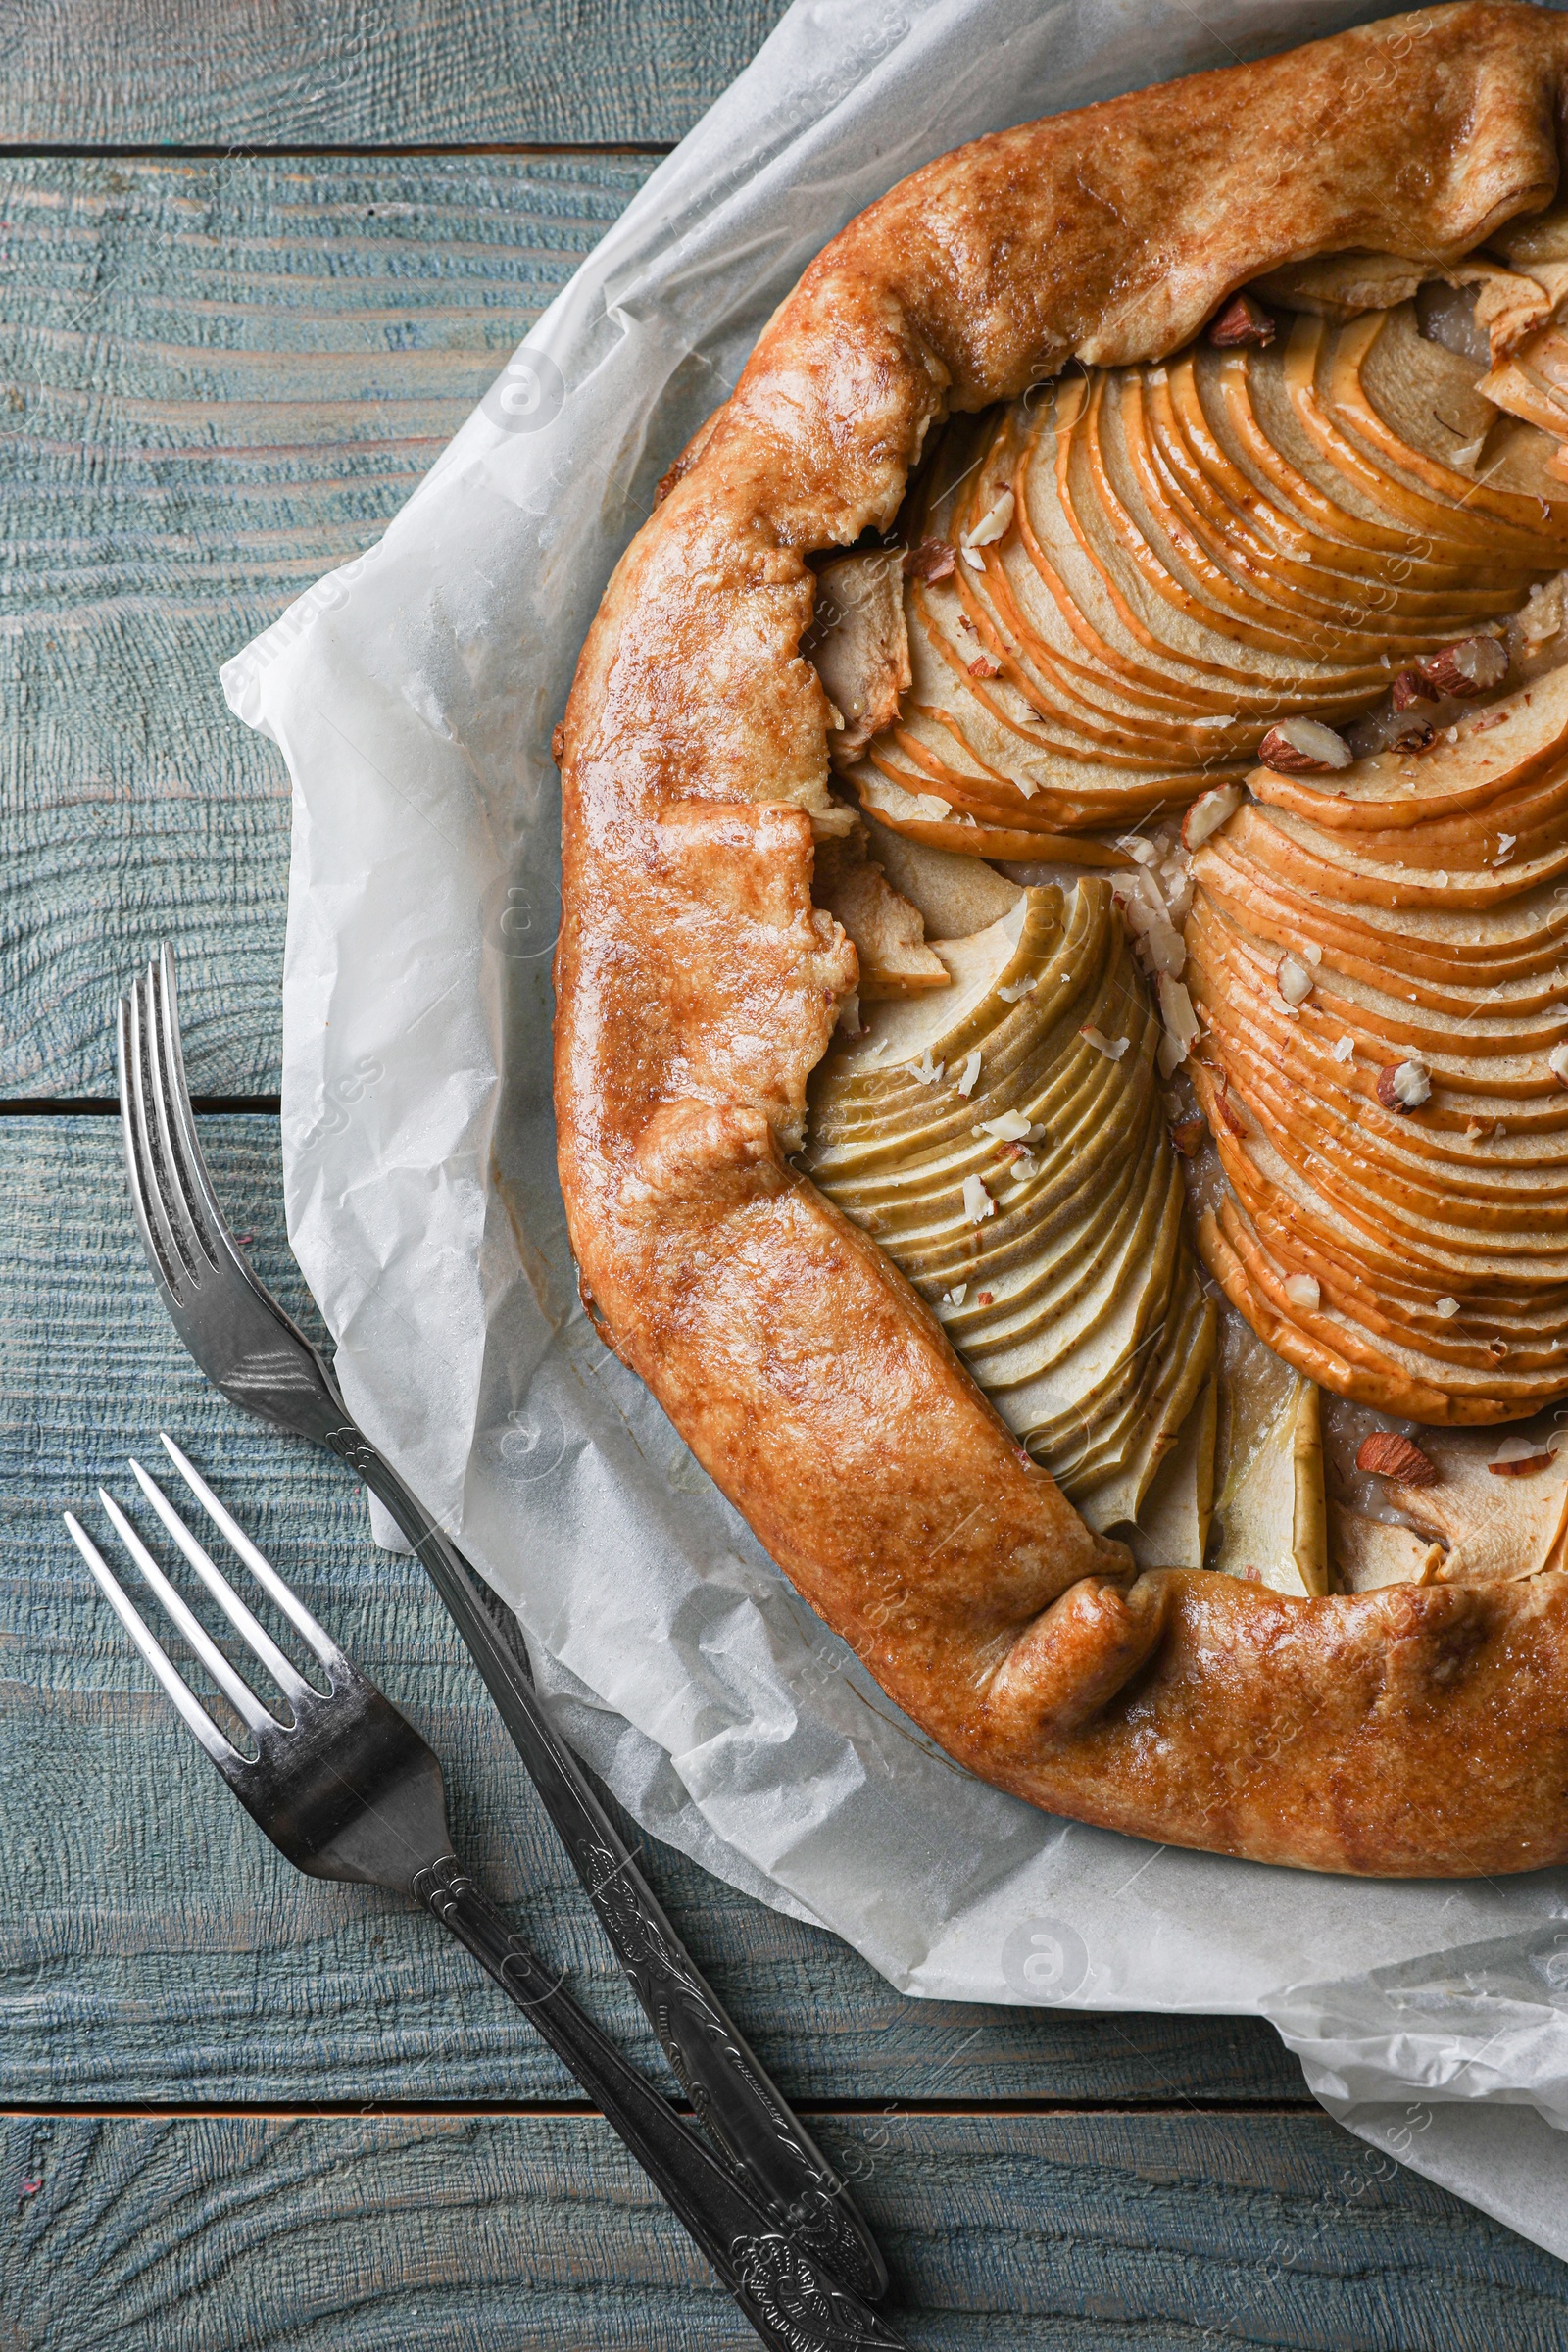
(217, 380)
(537, 2232)
(154, 1947)
(126, 73)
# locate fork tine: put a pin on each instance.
(292, 1684)
(241, 1698)
(182, 1160)
(195, 1715)
(177, 1125)
(170, 1262)
(299, 1616)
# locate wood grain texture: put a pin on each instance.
(346, 72)
(153, 1946)
(217, 381)
(522, 2233)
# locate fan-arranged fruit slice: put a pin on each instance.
(1004, 1140)
(1377, 960)
(1113, 589)
(1271, 1523)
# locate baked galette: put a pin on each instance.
(1063, 1000)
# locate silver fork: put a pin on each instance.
(251, 1349)
(346, 1788)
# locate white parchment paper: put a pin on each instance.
(412, 694)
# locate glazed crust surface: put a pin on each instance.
(698, 986)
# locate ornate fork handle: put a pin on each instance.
(788, 2300)
(731, 2094)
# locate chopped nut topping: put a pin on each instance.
(1304, 747)
(1186, 1134)
(1209, 812)
(1242, 321)
(1112, 1048)
(984, 667)
(1410, 688)
(1176, 1011)
(1020, 988)
(1009, 1128)
(1304, 1290)
(932, 560)
(1517, 1458)
(1228, 1114)
(1293, 980)
(1345, 1050)
(1388, 1453)
(977, 1202)
(1447, 1308)
(1404, 1086)
(1475, 666)
(969, 1073)
(956, 1296)
(985, 1299)
(1557, 1063)
(994, 524)
(927, 1070)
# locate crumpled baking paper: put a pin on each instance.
(412, 693)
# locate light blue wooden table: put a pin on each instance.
(257, 261)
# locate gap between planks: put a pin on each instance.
(105, 1106)
(71, 152)
(456, 2110)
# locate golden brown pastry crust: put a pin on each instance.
(1415, 1730)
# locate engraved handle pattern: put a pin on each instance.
(786, 2296)
(764, 2144)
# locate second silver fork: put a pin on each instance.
(346, 1788)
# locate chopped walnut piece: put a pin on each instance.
(984, 667)
(932, 560)
(1388, 1453)
(1242, 321)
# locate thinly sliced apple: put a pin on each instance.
(859, 645)
(1172, 1526)
(1038, 1210)
(888, 934)
(955, 895)
(1490, 1525)
(1272, 1526)
(1493, 752)
(1368, 1553)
